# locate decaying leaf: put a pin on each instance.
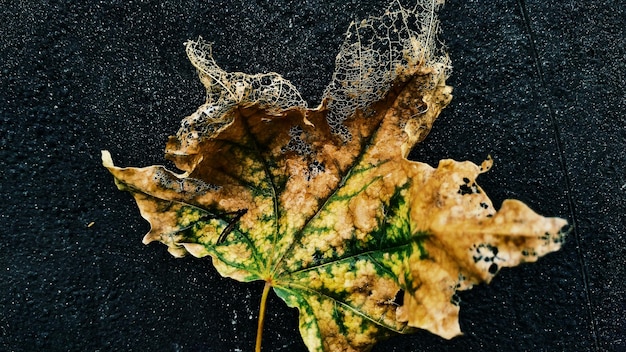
(323, 205)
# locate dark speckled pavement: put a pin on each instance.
(538, 85)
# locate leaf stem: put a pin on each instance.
(259, 331)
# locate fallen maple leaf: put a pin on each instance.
(323, 205)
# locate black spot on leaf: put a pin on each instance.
(399, 299)
(493, 268)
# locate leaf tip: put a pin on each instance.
(107, 160)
